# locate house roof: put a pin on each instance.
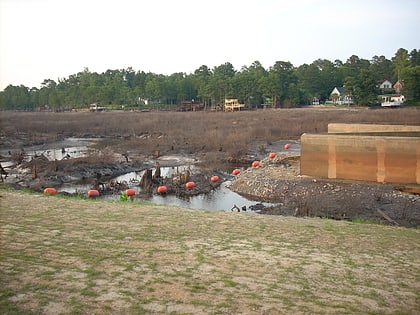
(340, 90)
(398, 84)
(384, 80)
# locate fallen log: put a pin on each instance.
(386, 217)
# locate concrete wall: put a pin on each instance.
(359, 157)
(370, 128)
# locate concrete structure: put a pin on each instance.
(381, 153)
(369, 128)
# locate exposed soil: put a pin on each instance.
(279, 180)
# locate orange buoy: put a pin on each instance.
(236, 171)
(287, 146)
(50, 191)
(130, 192)
(93, 193)
(255, 163)
(272, 155)
(214, 179)
(190, 185)
(162, 189)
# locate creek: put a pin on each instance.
(220, 198)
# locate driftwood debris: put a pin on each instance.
(146, 180)
(34, 170)
(184, 177)
(3, 172)
(157, 174)
(409, 188)
(386, 217)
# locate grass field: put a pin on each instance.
(73, 256)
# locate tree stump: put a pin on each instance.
(157, 174)
(146, 180)
(184, 177)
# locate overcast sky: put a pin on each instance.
(52, 39)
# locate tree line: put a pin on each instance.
(281, 85)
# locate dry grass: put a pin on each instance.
(69, 256)
(191, 131)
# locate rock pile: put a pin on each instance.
(278, 180)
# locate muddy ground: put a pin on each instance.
(276, 180)
(213, 143)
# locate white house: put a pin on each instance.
(390, 100)
(385, 85)
(340, 97)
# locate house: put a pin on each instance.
(340, 97)
(391, 94)
(391, 100)
(397, 87)
(385, 86)
(95, 107)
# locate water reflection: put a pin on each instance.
(219, 199)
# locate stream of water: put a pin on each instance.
(218, 199)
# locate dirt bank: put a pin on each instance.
(278, 180)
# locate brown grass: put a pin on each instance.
(69, 256)
(194, 130)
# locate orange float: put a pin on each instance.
(272, 155)
(162, 189)
(130, 192)
(236, 171)
(214, 179)
(190, 185)
(255, 163)
(50, 191)
(93, 193)
(287, 146)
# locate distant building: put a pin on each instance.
(95, 107)
(232, 104)
(391, 94)
(391, 100)
(339, 96)
(397, 87)
(385, 86)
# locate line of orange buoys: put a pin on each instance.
(163, 189)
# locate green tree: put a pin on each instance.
(282, 74)
(415, 57)
(221, 83)
(412, 83)
(309, 78)
(247, 84)
(381, 69)
(401, 61)
(16, 98)
(366, 88)
(202, 78)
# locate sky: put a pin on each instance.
(53, 39)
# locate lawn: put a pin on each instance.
(74, 256)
